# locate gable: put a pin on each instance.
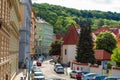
(71, 37)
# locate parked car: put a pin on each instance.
(57, 65)
(38, 76)
(89, 76)
(36, 69)
(34, 63)
(59, 69)
(111, 78)
(39, 63)
(55, 79)
(73, 73)
(99, 77)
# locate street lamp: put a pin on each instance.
(28, 66)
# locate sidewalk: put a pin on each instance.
(21, 74)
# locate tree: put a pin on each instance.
(55, 48)
(106, 41)
(116, 56)
(85, 53)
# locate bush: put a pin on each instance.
(109, 66)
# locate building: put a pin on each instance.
(44, 37)
(14, 38)
(70, 40)
(24, 29)
(32, 33)
(4, 39)
(68, 49)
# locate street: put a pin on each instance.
(48, 71)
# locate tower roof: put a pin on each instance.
(71, 37)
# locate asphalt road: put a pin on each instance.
(48, 71)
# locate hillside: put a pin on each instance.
(61, 17)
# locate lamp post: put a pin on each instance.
(28, 66)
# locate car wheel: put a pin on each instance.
(70, 76)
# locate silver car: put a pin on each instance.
(73, 73)
(59, 69)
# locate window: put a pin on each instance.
(65, 51)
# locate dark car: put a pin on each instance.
(99, 77)
(111, 78)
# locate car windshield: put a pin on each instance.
(37, 70)
(83, 72)
(38, 74)
(60, 68)
(39, 79)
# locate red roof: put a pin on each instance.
(101, 30)
(72, 36)
(102, 55)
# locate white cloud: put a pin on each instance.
(103, 5)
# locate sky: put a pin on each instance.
(102, 5)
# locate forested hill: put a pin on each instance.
(61, 17)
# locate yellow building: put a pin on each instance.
(118, 40)
(5, 6)
(32, 32)
(14, 38)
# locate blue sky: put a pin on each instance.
(102, 5)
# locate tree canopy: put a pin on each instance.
(106, 41)
(55, 48)
(116, 56)
(61, 17)
(85, 53)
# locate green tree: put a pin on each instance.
(100, 23)
(116, 56)
(85, 53)
(55, 48)
(51, 13)
(106, 41)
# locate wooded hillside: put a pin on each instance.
(61, 17)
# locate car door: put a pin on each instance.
(74, 74)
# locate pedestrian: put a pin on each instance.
(78, 76)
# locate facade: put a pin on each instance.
(44, 37)
(69, 45)
(14, 38)
(5, 7)
(24, 29)
(32, 32)
(118, 40)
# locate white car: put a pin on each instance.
(89, 76)
(59, 69)
(38, 76)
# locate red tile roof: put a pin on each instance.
(102, 55)
(71, 37)
(101, 30)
